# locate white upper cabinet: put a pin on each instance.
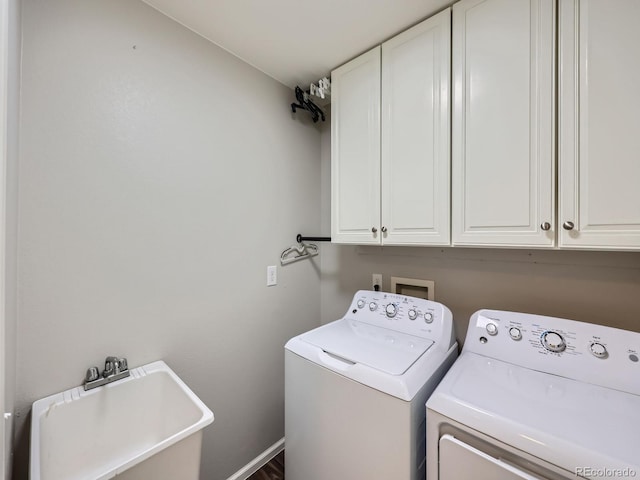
(599, 124)
(355, 150)
(415, 134)
(503, 125)
(390, 186)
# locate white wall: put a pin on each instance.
(596, 287)
(159, 176)
(11, 197)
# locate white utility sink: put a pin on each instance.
(146, 426)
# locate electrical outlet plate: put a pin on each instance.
(272, 276)
(376, 279)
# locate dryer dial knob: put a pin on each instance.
(391, 310)
(428, 317)
(413, 314)
(373, 306)
(361, 303)
(598, 350)
(553, 341)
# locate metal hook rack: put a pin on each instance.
(305, 103)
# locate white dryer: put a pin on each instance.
(534, 397)
(355, 389)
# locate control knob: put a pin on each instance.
(515, 333)
(361, 303)
(413, 314)
(553, 341)
(391, 310)
(373, 306)
(598, 350)
(492, 329)
(428, 317)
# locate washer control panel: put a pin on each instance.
(587, 352)
(415, 316)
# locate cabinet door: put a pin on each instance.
(599, 179)
(503, 146)
(415, 134)
(355, 151)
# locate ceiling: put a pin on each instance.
(297, 41)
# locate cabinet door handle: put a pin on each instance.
(374, 229)
(384, 229)
(545, 226)
(568, 225)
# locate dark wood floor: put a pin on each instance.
(274, 470)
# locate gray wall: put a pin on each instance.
(11, 199)
(159, 177)
(596, 287)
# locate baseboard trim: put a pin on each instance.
(260, 461)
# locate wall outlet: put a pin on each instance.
(376, 279)
(272, 276)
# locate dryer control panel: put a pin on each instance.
(591, 353)
(411, 315)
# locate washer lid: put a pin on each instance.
(385, 350)
(572, 424)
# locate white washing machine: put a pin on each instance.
(534, 397)
(355, 389)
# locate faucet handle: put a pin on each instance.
(111, 366)
(92, 374)
(123, 364)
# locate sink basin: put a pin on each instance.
(146, 426)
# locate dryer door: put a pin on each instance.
(459, 461)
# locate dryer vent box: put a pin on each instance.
(413, 287)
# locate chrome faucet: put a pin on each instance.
(114, 369)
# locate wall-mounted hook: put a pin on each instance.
(306, 104)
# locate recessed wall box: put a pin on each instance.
(414, 287)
